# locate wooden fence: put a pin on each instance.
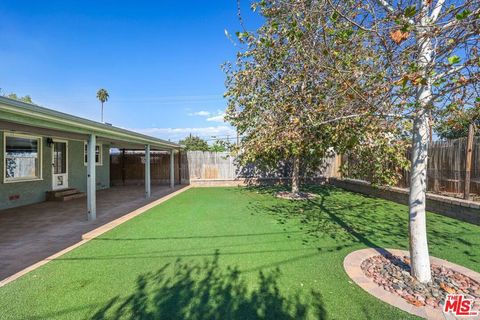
(128, 168)
(446, 168)
(200, 165)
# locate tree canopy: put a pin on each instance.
(304, 85)
(359, 78)
(25, 98)
(194, 143)
(454, 124)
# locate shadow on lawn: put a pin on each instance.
(324, 216)
(207, 291)
(351, 218)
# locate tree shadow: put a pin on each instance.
(349, 218)
(188, 290)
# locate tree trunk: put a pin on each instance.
(296, 175)
(102, 112)
(419, 256)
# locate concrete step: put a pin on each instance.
(64, 194)
(73, 196)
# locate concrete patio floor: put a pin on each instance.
(31, 233)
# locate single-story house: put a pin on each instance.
(46, 153)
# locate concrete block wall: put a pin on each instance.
(468, 211)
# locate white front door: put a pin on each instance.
(60, 165)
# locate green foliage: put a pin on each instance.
(453, 123)
(454, 59)
(26, 98)
(380, 157)
(102, 95)
(410, 11)
(194, 143)
(221, 146)
(291, 95)
(463, 15)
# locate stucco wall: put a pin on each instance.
(29, 192)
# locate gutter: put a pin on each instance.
(26, 109)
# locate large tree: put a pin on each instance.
(333, 72)
(429, 50)
(102, 96)
(285, 96)
(194, 143)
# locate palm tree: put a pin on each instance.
(102, 95)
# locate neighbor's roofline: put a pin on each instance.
(24, 108)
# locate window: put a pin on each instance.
(22, 157)
(98, 154)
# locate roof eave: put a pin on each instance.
(88, 126)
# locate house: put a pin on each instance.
(46, 153)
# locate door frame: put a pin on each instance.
(66, 165)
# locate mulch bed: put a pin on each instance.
(392, 273)
(295, 196)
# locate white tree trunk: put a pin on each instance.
(419, 256)
(418, 185)
(296, 175)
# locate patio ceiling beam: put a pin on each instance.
(148, 185)
(91, 179)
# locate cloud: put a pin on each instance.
(200, 113)
(176, 134)
(217, 118)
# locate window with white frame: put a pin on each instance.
(23, 157)
(98, 154)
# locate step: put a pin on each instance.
(58, 195)
(69, 197)
(64, 192)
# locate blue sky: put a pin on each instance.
(159, 60)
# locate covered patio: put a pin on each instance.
(34, 232)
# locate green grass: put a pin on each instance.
(232, 253)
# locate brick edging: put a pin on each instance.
(352, 265)
(92, 234)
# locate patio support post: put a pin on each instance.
(91, 179)
(148, 189)
(172, 168)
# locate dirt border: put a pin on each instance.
(352, 265)
(93, 234)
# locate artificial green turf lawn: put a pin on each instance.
(232, 253)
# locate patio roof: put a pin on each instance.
(27, 114)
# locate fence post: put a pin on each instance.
(468, 162)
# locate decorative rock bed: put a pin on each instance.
(295, 196)
(385, 274)
(392, 273)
